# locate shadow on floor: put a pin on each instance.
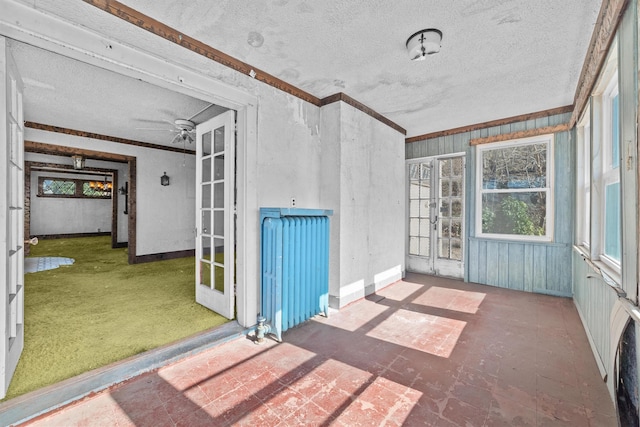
(424, 351)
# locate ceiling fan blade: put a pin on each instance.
(156, 129)
(159, 122)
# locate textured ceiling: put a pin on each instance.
(72, 94)
(499, 58)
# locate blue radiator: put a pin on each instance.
(295, 266)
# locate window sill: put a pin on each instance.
(608, 275)
(516, 238)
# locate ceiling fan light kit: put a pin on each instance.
(185, 128)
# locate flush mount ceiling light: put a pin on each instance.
(423, 43)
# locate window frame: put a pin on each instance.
(583, 182)
(78, 193)
(549, 189)
(609, 174)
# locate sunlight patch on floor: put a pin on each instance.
(383, 402)
(423, 332)
(400, 290)
(451, 299)
(358, 319)
(35, 264)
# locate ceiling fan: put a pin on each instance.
(184, 129)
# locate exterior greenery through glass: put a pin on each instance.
(515, 188)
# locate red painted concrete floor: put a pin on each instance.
(424, 351)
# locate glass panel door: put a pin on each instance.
(436, 216)
(12, 207)
(215, 221)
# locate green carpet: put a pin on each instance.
(101, 310)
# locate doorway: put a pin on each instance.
(435, 240)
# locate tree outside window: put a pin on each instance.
(515, 189)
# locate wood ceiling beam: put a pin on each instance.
(603, 35)
(499, 122)
(63, 150)
(360, 106)
(61, 168)
(159, 29)
(520, 134)
(83, 134)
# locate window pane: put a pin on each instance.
(218, 140)
(444, 188)
(414, 171)
(206, 144)
(523, 166)
(414, 227)
(414, 245)
(443, 248)
(456, 249)
(456, 187)
(414, 208)
(456, 208)
(414, 190)
(514, 213)
(425, 171)
(424, 246)
(615, 133)
(612, 246)
(425, 227)
(425, 190)
(58, 187)
(99, 189)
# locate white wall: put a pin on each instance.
(288, 158)
(165, 215)
(363, 182)
(70, 216)
(51, 215)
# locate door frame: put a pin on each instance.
(86, 46)
(432, 267)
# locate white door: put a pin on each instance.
(215, 222)
(436, 216)
(12, 218)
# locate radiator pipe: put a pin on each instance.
(262, 329)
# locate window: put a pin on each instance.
(599, 214)
(514, 197)
(611, 231)
(73, 188)
(583, 182)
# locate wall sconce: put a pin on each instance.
(124, 190)
(164, 180)
(423, 43)
(78, 162)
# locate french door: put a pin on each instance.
(436, 216)
(215, 222)
(12, 218)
